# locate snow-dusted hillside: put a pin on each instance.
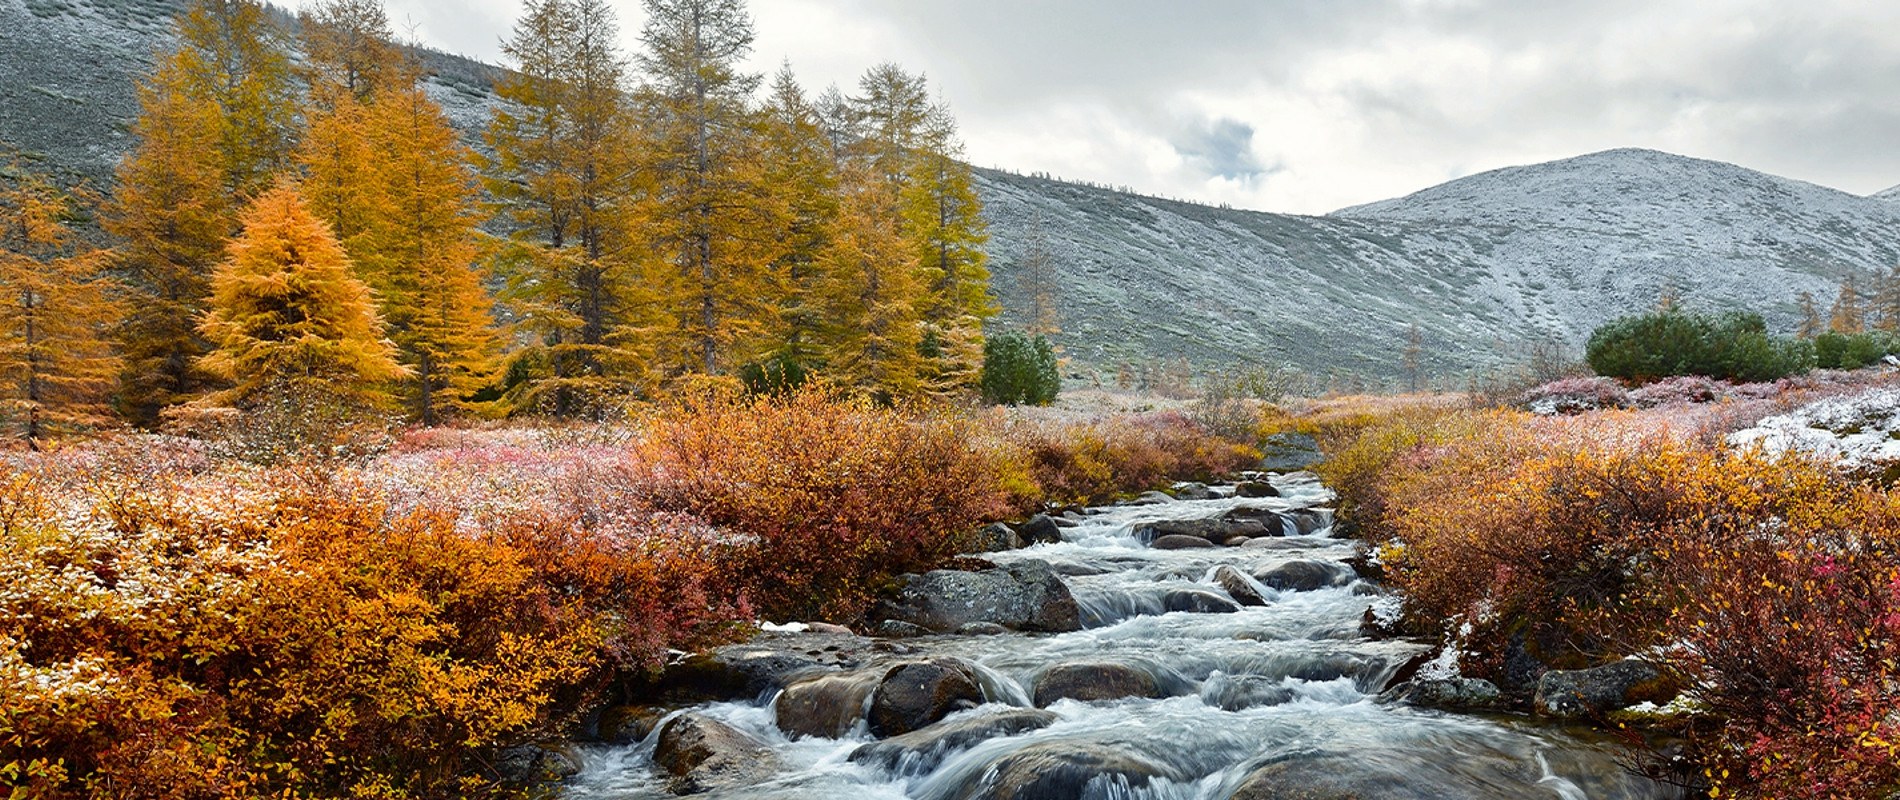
(69, 71)
(1483, 265)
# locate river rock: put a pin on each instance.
(536, 767)
(752, 669)
(997, 537)
(912, 696)
(1255, 522)
(629, 724)
(701, 754)
(1199, 602)
(1255, 489)
(1305, 576)
(826, 706)
(1151, 498)
(1236, 585)
(1206, 529)
(1040, 529)
(1308, 521)
(1289, 452)
(1192, 491)
(899, 629)
(1594, 691)
(1179, 542)
(1063, 771)
(1093, 681)
(1024, 596)
(1450, 694)
(981, 629)
(1241, 692)
(922, 750)
(1391, 775)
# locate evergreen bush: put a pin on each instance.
(1020, 370)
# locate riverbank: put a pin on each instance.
(1759, 587)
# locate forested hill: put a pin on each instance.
(1482, 265)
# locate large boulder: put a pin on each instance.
(1450, 694)
(1289, 452)
(1241, 692)
(751, 670)
(1393, 775)
(1598, 690)
(1305, 576)
(1025, 596)
(827, 706)
(1065, 770)
(701, 754)
(1238, 586)
(1178, 542)
(1090, 681)
(1040, 529)
(1199, 602)
(922, 750)
(912, 696)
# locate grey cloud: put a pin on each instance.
(1223, 147)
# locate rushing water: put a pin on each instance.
(1306, 645)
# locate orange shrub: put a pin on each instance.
(248, 633)
(834, 495)
(1096, 460)
(1770, 587)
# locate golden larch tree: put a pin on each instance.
(803, 170)
(172, 215)
(1808, 322)
(217, 122)
(712, 210)
(286, 310)
(57, 362)
(1846, 315)
(870, 292)
(561, 175)
(423, 253)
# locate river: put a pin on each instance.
(1291, 685)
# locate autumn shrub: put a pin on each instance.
(1679, 390)
(1096, 460)
(1791, 633)
(178, 628)
(1769, 587)
(833, 495)
(1573, 395)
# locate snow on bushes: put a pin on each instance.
(1573, 396)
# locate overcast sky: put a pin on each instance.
(1307, 106)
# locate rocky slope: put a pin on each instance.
(1484, 265)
